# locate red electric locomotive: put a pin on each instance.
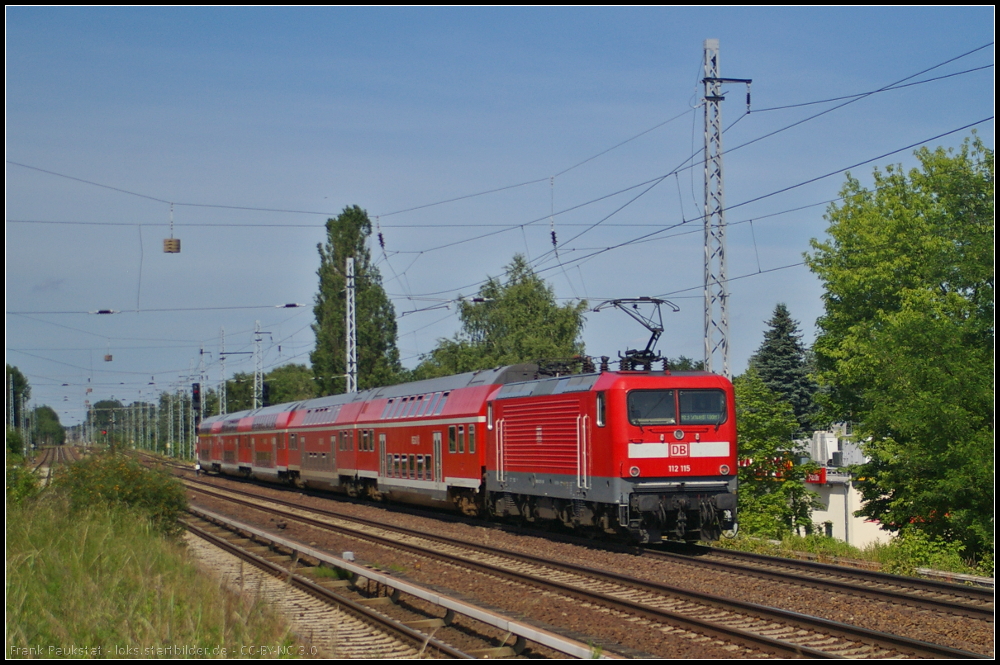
(650, 455)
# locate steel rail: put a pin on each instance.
(384, 623)
(843, 631)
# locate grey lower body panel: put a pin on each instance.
(650, 509)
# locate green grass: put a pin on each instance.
(107, 579)
(900, 556)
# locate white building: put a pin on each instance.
(834, 450)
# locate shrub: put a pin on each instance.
(116, 479)
(917, 549)
(20, 481)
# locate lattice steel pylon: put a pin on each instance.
(716, 289)
(352, 333)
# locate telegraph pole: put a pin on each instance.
(352, 333)
(716, 291)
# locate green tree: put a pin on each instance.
(239, 392)
(17, 382)
(509, 322)
(906, 342)
(290, 383)
(773, 498)
(15, 444)
(685, 364)
(106, 414)
(48, 430)
(378, 357)
(781, 363)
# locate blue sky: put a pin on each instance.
(390, 109)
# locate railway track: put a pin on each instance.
(51, 457)
(344, 628)
(740, 625)
(962, 600)
(424, 621)
(932, 595)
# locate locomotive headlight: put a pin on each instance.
(634, 472)
(724, 470)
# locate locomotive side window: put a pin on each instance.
(489, 416)
(702, 407)
(651, 407)
(600, 409)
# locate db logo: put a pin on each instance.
(678, 450)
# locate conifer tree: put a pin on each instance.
(782, 365)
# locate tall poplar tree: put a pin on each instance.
(378, 356)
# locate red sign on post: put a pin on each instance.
(818, 478)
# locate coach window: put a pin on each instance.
(388, 407)
(293, 441)
(404, 405)
(413, 466)
(461, 438)
(472, 438)
(400, 403)
(451, 438)
(433, 399)
(425, 402)
(600, 409)
(415, 405)
(440, 405)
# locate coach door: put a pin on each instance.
(382, 470)
(583, 437)
(438, 476)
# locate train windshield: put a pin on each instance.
(702, 407)
(670, 407)
(652, 407)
